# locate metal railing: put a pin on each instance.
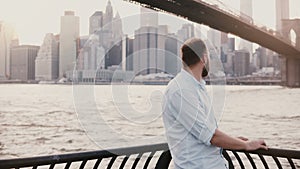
(153, 156)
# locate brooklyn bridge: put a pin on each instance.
(212, 15)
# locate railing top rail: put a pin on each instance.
(63, 158)
(140, 150)
(285, 153)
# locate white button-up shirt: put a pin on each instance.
(190, 124)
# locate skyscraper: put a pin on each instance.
(107, 40)
(149, 17)
(69, 34)
(149, 49)
(23, 62)
(246, 14)
(117, 28)
(7, 40)
(46, 63)
(241, 63)
(173, 60)
(282, 12)
(149, 44)
(214, 43)
(187, 31)
(96, 22)
(108, 16)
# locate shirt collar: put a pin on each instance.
(190, 76)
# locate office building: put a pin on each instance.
(91, 56)
(108, 16)
(46, 63)
(7, 40)
(23, 62)
(109, 32)
(127, 54)
(149, 49)
(69, 37)
(185, 32)
(148, 17)
(241, 63)
(114, 55)
(117, 28)
(173, 62)
(96, 22)
(214, 43)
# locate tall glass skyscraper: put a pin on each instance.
(69, 35)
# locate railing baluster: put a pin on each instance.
(263, 161)
(251, 160)
(136, 161)
(238, 159)
(124, 162)
(277, 162)
(68, 165)
(52, 166)
(227, 157)
(111, 162)
(164, 160)
(82, 164)
(291, 163)
(149, 159)
(97, 163)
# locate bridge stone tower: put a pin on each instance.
(291, 64)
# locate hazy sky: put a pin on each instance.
(32, 19)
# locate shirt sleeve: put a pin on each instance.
(191, 113)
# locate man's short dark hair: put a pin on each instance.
(192, 50)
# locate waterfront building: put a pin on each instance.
(96, 22)
(148, 18)
(46, 63)
(109, 32)
(241, 62)
(7, 40)
(214, 43)
(23, 62)
(127, 54)
(149, 44)
(186, 32)
(69, 36)
(173, 60)
(149, 49)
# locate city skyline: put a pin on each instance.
(31, 25)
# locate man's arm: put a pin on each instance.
(223, 140)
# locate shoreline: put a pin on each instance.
(151, 82)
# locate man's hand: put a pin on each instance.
(256, 144)
(223, 140)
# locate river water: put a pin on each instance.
(52, 119)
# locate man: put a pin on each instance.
(194, 140)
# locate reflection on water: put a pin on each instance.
(41, 119)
